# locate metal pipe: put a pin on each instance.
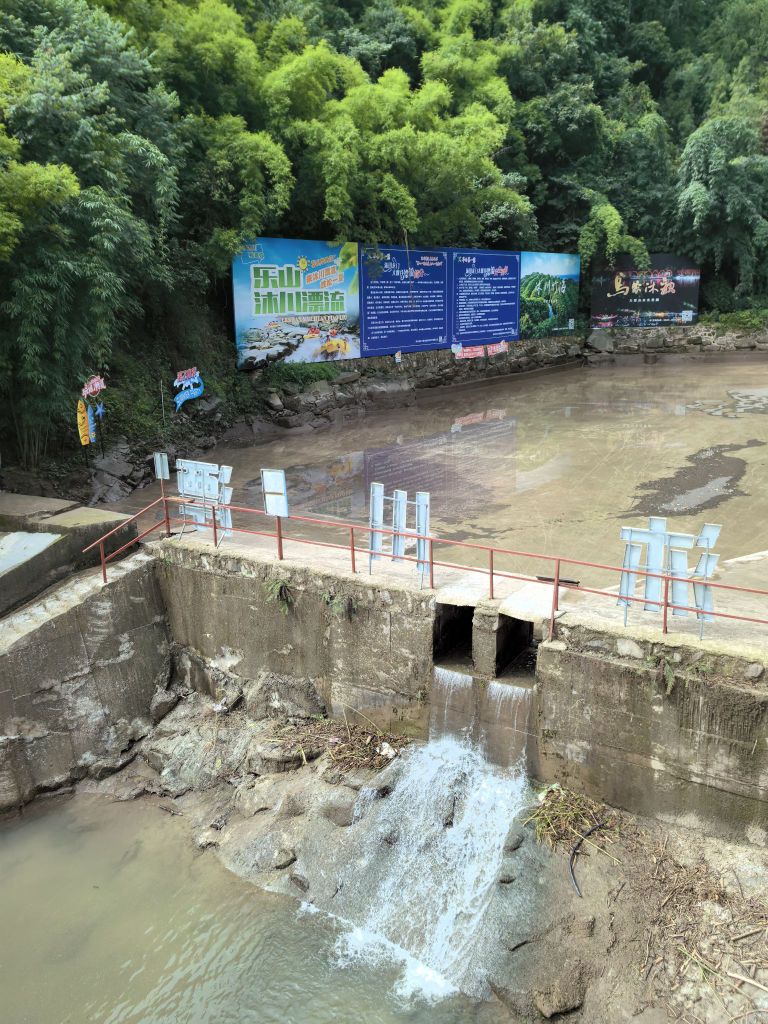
(555, 599)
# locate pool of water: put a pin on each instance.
(110, 915)
(553, 463)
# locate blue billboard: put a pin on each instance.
(405, 300)
(303, 301)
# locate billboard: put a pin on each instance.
(549, 293)
(668, 293)
(303, 301)
(296, 301)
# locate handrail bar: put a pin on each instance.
(124, 523)
(490, 570)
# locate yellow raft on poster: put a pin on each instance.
(82, 423)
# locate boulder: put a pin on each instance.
(162, 702)
(564, 992)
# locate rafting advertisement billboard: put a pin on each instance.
(307, 301)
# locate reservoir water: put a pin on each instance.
(553, 463)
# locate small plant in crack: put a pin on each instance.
(280, 593)
(340, 605)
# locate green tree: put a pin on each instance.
(89, 176)
(722, 199)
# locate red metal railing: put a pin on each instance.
(492, 553)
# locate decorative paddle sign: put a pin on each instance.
(190, 385)
(82, 423)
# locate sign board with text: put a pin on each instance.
(664, 295)
(309, 301)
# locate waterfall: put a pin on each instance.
(503, 716)
(451, 703)
(493, 715)
(428, 865)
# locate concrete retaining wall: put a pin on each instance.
(362, 647)
(78, 671)
(671, 733)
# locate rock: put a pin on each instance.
(508, 873)
(340, 812)
(627, 648)
(299, 881)
(162, 702)
(209, 405)
(116, 467)
(348, 377)
(277, 696)
(206, 839)
(283, 858)
(274, 755)
(274, 401)
(107, 488)
(565, 991)
(754, 671)
(515, 837)
(104, 766)
(228, 696)
(291, 806)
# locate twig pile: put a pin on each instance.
(349, 746)
(705, 929)
(563, 817)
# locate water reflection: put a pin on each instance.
(455, 466)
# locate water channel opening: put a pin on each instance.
(452, 632)
(514, 639)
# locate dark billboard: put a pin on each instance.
(667, 294)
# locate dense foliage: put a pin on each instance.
(142, 140)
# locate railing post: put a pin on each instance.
(103, 563)
(167, 517)
(490, 573)
(431, 564)
(555, 599)
(352, 547)
(666, 603)
(279, 535)
(215, 528)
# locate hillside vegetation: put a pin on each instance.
(142, 140)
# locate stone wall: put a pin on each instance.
(698, 339)
(380, 383)
(360, 646)
(79, 671)
(669, 732)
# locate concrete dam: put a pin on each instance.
(666, 726)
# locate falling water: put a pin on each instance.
(428, 865)
(493, 715)
(429, 854)
(452, 710)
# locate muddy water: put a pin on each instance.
(553, 463)
(110, 916)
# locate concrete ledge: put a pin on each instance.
(77, 527)
(676, 739)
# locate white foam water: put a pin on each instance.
(429, 860)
